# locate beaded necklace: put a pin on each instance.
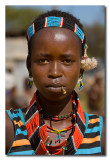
(58, 118)
(59, 132)
(37, 129)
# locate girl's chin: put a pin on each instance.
(55, 94)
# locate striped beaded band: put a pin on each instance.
(52, 21)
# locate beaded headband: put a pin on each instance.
(52, 21)
(56, 22)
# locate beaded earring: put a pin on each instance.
(30, 82)
(86, 62)
(80, 82)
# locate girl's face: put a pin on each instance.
(55, 62)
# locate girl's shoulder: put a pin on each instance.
(94, 122)
(12, 116)
(9, 132)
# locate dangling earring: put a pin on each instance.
(30, 82)
(80, 82)
(86, 62)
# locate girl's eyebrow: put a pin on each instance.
(64, 55)
(44, 55)
(67, 56)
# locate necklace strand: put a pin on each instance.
(58, 118)
(59, 132)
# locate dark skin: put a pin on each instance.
(54, 62)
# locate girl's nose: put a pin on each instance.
(55, 71)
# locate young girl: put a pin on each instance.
(54, 122)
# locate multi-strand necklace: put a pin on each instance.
(60, 133)
(37, 129)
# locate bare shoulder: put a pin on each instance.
(9, 133)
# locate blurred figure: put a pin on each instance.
(10, 89)
(12, 99)
(95, 96)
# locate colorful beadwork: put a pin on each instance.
(36, 128)
(30, 82)
(58, 118)
(59, 132)
(80, 82)
(85, 137)
(53, 21)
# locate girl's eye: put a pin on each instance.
(43, 61)
(67, 61)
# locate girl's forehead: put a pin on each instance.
(55, 40)
(57, 33)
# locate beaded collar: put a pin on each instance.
(37, 130)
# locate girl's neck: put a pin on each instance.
(56, 108)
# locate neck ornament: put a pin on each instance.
(58, 118)
(59, 132)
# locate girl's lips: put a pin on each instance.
(55, 87)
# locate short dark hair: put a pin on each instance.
(57, 13)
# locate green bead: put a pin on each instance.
(59, 133)
(64, 148)
(33, 153)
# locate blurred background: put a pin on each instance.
(18, 19)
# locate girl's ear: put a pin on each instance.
(28, 65)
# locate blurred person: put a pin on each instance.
(13, 100)
(10, 86)
(54, 122)
(19, 101)
(95, 95)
